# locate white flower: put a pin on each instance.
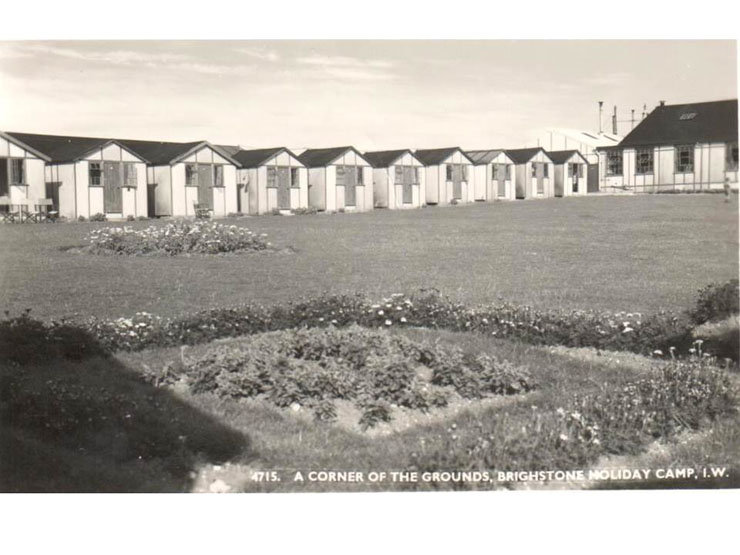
(627, 330)
(388, 322)
(563, 437)
(658, 353)
(403, 319)
(380, 312)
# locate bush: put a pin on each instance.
(98, 217)
(142, 218)
(313, 367)
(184, 237)
(716, 302)
(81, 219)
(130, 218)
(675, 397)
(305, 211)
(24, 340)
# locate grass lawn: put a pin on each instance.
(641, 253)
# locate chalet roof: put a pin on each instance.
(686, 123)
(256, 157)
(319, 157)
(524, 155)
(483, 156)
(562, 156)
(160, 153)
(61, 148)
(385, 158)
(434, 156)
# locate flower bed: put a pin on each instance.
(181, 237)
(676, 396)
(371, 368)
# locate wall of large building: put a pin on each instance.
(709, 171)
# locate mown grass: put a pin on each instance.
(641, 253)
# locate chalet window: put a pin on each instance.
(340, 175)
(17, 171)
(398, 174)
(271, 177)
(644, 160)
(534, 169)
(449, 172)
(571, 168)
(360, 176)
(614, 162)
(731, 157)
(684, 159)
(417, 180)
(218, 176)
(464, 172)
(294, 178)
(191, 175)
(129, 174)
(581, 170)
(545, 169)
(95, 172)
(507, 172)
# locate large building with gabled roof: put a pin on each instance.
(398, 179)
(339, 179)
(676, 147)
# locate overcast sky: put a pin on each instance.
(371, 94)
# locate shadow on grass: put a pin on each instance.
(94, 426)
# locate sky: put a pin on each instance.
(374, 95)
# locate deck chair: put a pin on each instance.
(44, 211)
(6, 210)
(202, 211)
(26, 212)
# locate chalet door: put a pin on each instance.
(52, 192)
(576, 172)
(205, 186)
(283, 188)
(112, 192)
(457, 181)
(501, 179)
(409, 177)
(540, 173)
(4, 181)
(151, 199)
(350, 186)
(592, 178)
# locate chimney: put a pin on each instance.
(601, 105)
(614, 121)
(662, 102)
(633, 119)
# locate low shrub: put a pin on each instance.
(142, 218)
(716, 302)
(24, 340)
(98, 217)
(130, 218)
(306, 211)
(372, 368)
(182, 237)
(81, 219)
(676, 396)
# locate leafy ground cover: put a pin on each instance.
(176, 238)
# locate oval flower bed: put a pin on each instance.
(181, 237)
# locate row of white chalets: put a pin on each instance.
(84, 176)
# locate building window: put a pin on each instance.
(129, 174)
(340, 175)
(191, 175)
(271, 177)
(731, 157)
(360, 176)
(614, 162)
(684, 159)
(464, 172)
(95, 171)
(545, 169)
(534, 169)
(17, 171)
(218, 176)
(449, 172)
(644, 160)
(294, 178)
